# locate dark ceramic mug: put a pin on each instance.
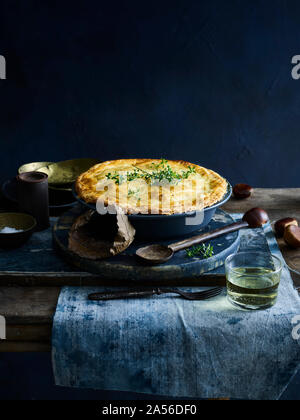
(33, 197)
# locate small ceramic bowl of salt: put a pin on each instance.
(15, 229)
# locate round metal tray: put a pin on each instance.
(127, 267)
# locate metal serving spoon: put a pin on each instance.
(159, 254)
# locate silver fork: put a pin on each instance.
(142, 293)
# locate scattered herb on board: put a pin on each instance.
(161, 171)
(203, 251)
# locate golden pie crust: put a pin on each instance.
(201, 189)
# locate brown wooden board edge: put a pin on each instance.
(23, 347)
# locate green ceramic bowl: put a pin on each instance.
(24, 223)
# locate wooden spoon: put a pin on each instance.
(159, 254)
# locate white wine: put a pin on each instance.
(253, 287)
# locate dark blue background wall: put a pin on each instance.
(205, 81)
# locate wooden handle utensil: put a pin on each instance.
(158, 254)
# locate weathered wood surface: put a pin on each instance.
(28, 305)
(274, 200)
(24, 346)
(29, 310)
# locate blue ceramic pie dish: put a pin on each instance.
(160, 226)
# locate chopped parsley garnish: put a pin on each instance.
(159, 172)
(202, 251)
(118, 178)
(134, 193)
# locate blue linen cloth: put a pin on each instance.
(169, 346)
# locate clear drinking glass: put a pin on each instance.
(253, 279)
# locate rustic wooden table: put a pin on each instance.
(28, 305)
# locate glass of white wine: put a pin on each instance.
(253, 279)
